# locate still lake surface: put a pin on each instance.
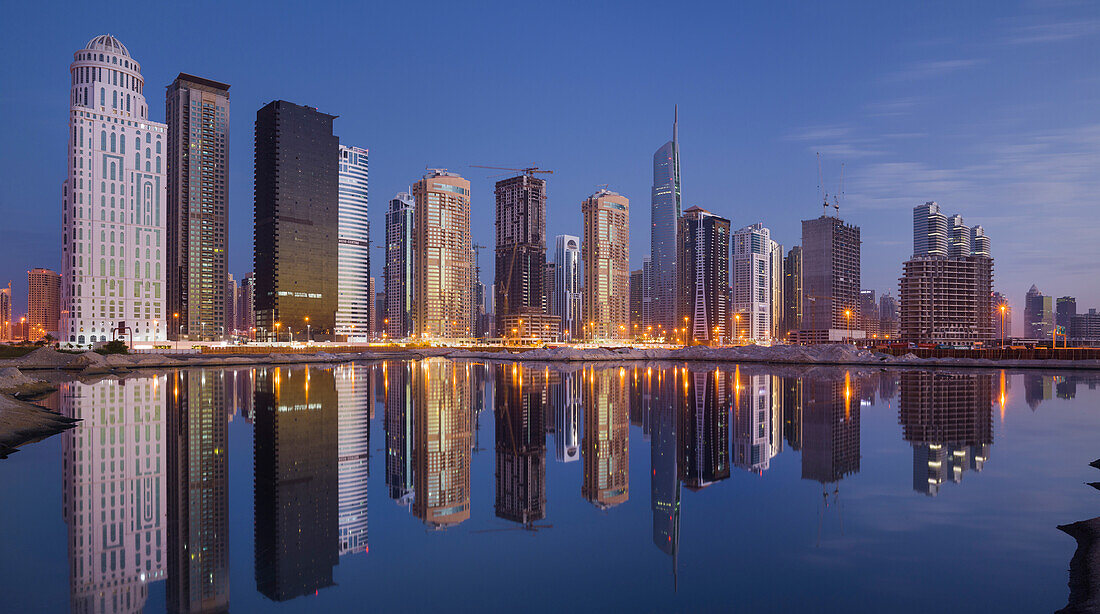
(461, 486)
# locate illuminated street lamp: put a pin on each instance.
(277, 326)
(848, 314)
(1003, 306)
(308, 339)
(180, 332)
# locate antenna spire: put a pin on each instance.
(675, 122)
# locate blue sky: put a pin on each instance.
(988, 108)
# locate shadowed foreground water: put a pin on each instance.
(464, 486)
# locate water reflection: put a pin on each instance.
(146, 475)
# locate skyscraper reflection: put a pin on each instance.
(296, 481)
(830, 429)
(198, 490)
(565, 393)
(753, 427)
(702, 428)
(664, 451)
(948, 418)
(114, 499)
(519, 412)
(442, 450)
(606, 438)
(354, 400)
(397, 378)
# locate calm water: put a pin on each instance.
(464, 486)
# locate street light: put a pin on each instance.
(307, 330)
(277, 326)
(1003, 325)
(848, 314)
(180, 331)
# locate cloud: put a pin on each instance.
(1053, 32)
(817, 133)
(892, 108)
(932, 69)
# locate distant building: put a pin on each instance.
(792, 291)
(443, 264)
(637, 290)
(1065, 309)
(520, 245)
(43, 303)
(549, 278)
(889, 325)
(704, 266)
(246, 305)
(606, 257)
(752, 284)
(379, 311)
(647, 297)
(830, 280)
(1038, 315)
(567, 285)
(930, 230)
(1002, 312)
(197, 114)
(1085, 328)
(776, 263)
(232, 299)
(5, 313)
(399, 266)
(356, 298)
(869, 319)
(296, 256)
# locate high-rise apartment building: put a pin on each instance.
(444, 263)
(232, 300)
(830, 280)
(647, 296)
(197, 113)
(606, 256)
(792, 291)
(246, 304)
(114, 215)
(295, 251)
(869, 318)
(353, 309)
(889, 325)
(665, 220)
(520, 246)
(399, 266)
(43, 303)
(776, 262)
(930, 230)
(752, 284)
(567, 285)
(5, 313)
(947, 299)
(1038, 315)
(636, 281)
(704, 275)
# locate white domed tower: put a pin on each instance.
(114, 198)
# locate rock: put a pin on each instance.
(22, 422)
(1084, 567)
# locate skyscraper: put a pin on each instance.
(232, 300)
(5, 313)
(1002, 316)
(636, 280)
(947, 299)
(520, 246)
(245, 306)
(1065, 309)
(1038, 315)
(665, 219)
(929, 230)
(567, 286)
(197, 112)
(353, 310)
(830, 280)
(752, 283)
(295, 256)
(776, 280)
(606, 255)
(888, 313)
(792, 291)
(114, 201)
(869, 319)
(647, 296)
(704, 275)
(43, 303)
(443, 265)
(399, 266)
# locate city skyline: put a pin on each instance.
(891, 148)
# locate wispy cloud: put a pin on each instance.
(835, 140)
(893, 108)
(1053, 32)
(933, 68)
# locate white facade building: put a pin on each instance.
(113, 202)
(353, 311)
(752, 284)
(567, 285)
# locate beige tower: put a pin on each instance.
(443, 270)
(605, 251)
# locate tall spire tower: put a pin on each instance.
(665, 215)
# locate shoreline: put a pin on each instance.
(90, 363)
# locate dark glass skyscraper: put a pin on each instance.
(296, 221)
(198, 206)
(664, 218)
(520, 246)
(399, 266)
(704, 274)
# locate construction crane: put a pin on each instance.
(531, 170)
(824, 196)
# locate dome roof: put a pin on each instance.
(108, 43)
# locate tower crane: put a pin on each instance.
(530, 170)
